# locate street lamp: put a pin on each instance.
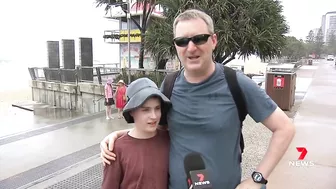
(128, 15)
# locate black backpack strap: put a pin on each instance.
(238, 97)
(169, 82)
(168, 85)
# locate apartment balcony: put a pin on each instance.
(121, 36)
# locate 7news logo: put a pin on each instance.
(201, 180)
(301, 162)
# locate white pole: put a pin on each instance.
(129, 39)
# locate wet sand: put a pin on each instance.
(8, 97)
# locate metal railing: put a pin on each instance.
(96, 74)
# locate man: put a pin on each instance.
(204, 116)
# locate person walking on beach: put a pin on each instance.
(109, 101)
(120, 97)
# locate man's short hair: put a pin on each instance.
(191, 14)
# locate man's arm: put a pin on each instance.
(107, 145)
(263, 109)
(283, 132)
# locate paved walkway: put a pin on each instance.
(37, 155)
(316, 131)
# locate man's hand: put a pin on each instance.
(249, 184)
(106, 147)
(107, 144)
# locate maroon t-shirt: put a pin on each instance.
(140, 163)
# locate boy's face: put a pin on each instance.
(147, 117)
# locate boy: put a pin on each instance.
(142, 155)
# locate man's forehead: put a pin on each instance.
(191, 20)
(183, 27)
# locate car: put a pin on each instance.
(330, 58)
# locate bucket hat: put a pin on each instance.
(121, 81)
(138, 92)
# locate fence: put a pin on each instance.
(97, 74)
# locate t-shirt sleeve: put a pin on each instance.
(112, 175)
(259, 104)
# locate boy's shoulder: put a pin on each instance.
(121, 142)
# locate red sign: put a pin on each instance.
(303, 151)
(279, 81)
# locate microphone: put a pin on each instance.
(197, 176)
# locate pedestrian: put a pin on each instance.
(143, 152)
(120, 96)
(109, 101)
(205, 117)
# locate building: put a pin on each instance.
(328, 24)
(119, 36)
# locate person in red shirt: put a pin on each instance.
(120, 96)
(142, 154)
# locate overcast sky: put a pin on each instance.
(25, 26)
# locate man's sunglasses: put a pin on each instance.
(197, 40)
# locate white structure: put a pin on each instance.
(252, 65)
(328, 24)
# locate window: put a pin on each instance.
(133, 25)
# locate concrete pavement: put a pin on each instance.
(33, 156)
(315, 124)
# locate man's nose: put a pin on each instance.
(191, 46)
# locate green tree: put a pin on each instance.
(294, 49)
(319, 42)
(310, 42)
(148, 7)
(310, 37)
(243, 28)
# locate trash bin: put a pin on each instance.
(281, 84)
(310, 61)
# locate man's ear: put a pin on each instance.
(214, 41)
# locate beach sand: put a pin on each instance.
(8, 97)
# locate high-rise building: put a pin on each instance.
(328, 24)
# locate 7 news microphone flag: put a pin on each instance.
(197, 176)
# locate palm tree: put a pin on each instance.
(243, 28)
